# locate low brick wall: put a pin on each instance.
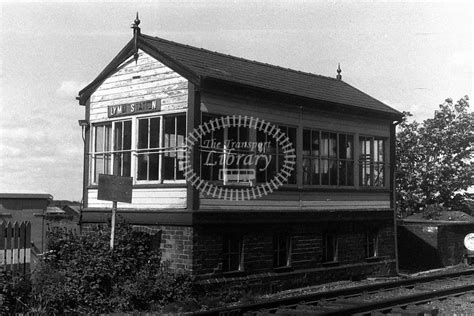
(431, 244)
(270, 282)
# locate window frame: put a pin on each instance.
(107, 139)
(371, 243)
(332, 240)
(134, 150)
(370, 161)
(320, 157)
(251, 136)
(277, 236)
(113, 151)
(227, 256)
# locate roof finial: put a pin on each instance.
(136, 33)
(339, 77)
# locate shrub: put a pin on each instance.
(14, 293)
(80, 274)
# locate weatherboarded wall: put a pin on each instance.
(145, 80)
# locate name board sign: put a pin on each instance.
(134, 108)
(115, 188)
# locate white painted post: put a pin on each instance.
(112, 230)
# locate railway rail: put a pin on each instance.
(396, 297)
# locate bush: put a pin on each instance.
(80, 274)
(15, 292)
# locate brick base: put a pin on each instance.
(199, 250)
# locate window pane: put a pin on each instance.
(181, 129)
(117, 164)
(154, 132)
(332, 172)
(143, 134)
(243, 134)
(118, 136)
(332, 145)
(316, 171)
(379, 174)
(380, 155)
(343, 173)
(292, 136)
(169, 130)
(127, 135)
(324, 172)
(232, 134)
(315, 144)
(350, 147)
(342, 146)
(168, 168)
(126, 164)
(324, 144)
(306, 142)
(99, 138)
(142, 172)
(306, 171)
(98, 166)
(350, 173)
(153, 167)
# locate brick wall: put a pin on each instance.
(306, 259)
(177, 246)
(429, 245)
(451, 242)
(199, 249)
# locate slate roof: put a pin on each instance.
(205, 64)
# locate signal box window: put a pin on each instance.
(242, 155)
(372, 162)
(174, 131)
(281, 250)
(112, 149)
(101, 155)
(232, 253)
(328, 158)
(158, 152)
(148, 149)
(274, 149)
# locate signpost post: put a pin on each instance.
(115, 189)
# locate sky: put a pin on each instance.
(411, 56)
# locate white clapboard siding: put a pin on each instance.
(290, 115)
(144, 81)
(292, 205)
(291, 200)
(151, 198)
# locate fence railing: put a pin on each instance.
(15, 247)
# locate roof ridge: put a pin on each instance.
(240, 58)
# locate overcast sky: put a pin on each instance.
(410, 56)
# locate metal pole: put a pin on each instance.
(112, 230)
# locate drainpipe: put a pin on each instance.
(394, 193)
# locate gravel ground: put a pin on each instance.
(462, 305)
(347, 284)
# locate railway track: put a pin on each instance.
(401, 297)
